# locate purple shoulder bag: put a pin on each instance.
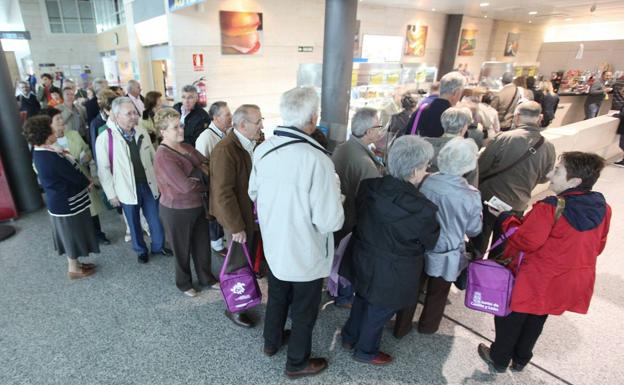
(239, 288)
(490, 283)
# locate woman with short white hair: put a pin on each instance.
(396, 225)
(459, 214)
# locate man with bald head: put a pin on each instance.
(513, 164)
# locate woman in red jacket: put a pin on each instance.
(561, 237)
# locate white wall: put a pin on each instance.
(60, 49)
(529, 44)
(484, 28)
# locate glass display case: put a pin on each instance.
(492, 72)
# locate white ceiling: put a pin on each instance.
(551, 12)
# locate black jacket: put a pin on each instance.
(93, 109)
(385, 258)
(429, 123)
(30, 105)
(194, 123)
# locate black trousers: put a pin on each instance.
(516, 336)
(215, 230)
(435, 302)
(304, 299)
(186, 231)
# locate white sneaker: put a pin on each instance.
(128, 237)
(191, 293)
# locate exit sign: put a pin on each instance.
(305, 48)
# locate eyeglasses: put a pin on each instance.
(255, 123)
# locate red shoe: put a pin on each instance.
(380, 359)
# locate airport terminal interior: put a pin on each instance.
(263, 191)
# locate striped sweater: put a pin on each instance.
(66, 188)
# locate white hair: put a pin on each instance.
(298, 106)
(458, 157)
(118, 102)
(451, 82)
(454, 119)
(98, 84)
(409, 153)
(362, 120)
(132, 84)
(242, 114)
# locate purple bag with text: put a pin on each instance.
(490, 283)
(239, 288)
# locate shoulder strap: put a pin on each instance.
(284, 145)
(417, 118)
(110, 148)
(530, 151)
(511, 102)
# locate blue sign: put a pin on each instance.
(174, 5)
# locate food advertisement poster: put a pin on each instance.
(511, 46)
(241, 32)
(467, 42)
(415, 40)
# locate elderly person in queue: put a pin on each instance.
(73, 115)
(105, 99)
(193, 116)
(152, 104)
(67, 196)
(396, 225)
(179, 168)
(398, 121)
(455, 121)
(459, 214)
(451, 89)
(561, 238)
(354, 162)
(72, 142)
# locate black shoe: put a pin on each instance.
(102, 239)
(484, 353)
(270, 352)
(315, 366)
(143, 258)
(517, 367)
(240, 319)
(619, 164)
(165, 252)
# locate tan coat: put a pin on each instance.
(230, 167)
(505, 103)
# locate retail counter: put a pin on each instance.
(571, 109)
(596, 135)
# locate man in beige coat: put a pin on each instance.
(506, 171)
(506, 100)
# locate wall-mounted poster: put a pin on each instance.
(241, 32)
(467, 42)
(511, 46)
(415, 40)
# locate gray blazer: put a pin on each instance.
(354, 162)
(459, 214)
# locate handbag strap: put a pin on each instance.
(417, 118)
(229, 254)
(530, 151)
(510, 103)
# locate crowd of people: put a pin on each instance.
(200, 182)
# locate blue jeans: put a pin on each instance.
(591, 110)
(149, 206)
(365, 327)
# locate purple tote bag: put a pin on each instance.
(239, 288)
(490, 284)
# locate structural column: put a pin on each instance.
(451, 43)
(13, 147)
(340, 20)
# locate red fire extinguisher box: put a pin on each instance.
(7, 205)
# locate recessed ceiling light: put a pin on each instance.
(568, 19)
(485, 16)
(484, 4)
(530, 22)
(433, 9)
(533, 13)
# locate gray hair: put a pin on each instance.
(298, 106)
(454, 119)
(189, 88)
(507, 78)
(529, 111)
(458, 156)
(132, 84)
(215, 108)
(363, 119)
(98, 84)
(409, 153)
(451, 82)
(118, 102)
(242, 114)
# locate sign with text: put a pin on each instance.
(174, 5)
(198, 62)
